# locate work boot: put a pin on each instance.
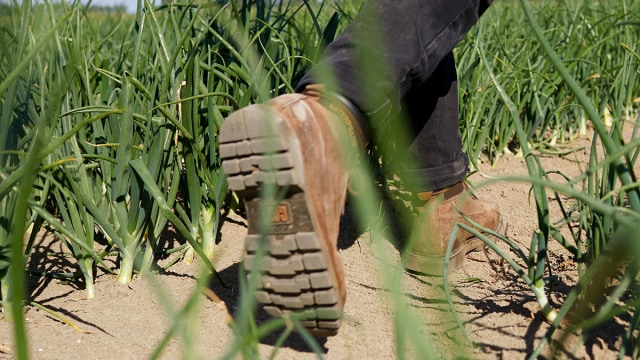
(438, 212)
(287, 149)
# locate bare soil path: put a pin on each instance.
(499, 312)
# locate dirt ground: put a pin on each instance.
(499, 312)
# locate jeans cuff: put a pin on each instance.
(435, 178)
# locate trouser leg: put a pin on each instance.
(436, 146)
(409, 42)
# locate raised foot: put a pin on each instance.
(261, 155)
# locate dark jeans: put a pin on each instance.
(395, 57)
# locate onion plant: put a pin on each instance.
(22, 149)
(110, 128)
(607, 204)
(618, 189)
(597, 37)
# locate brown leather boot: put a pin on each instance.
(289, 146)
(438, 213)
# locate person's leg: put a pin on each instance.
(416, 53)
(289, 145)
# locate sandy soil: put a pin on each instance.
(499, 312)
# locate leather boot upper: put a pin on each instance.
(325, 178)
(442, 209)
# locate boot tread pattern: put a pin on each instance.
(295, 270)
(254, 152)
(298, 281)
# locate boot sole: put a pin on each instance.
(433, 265)
(260, 152)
